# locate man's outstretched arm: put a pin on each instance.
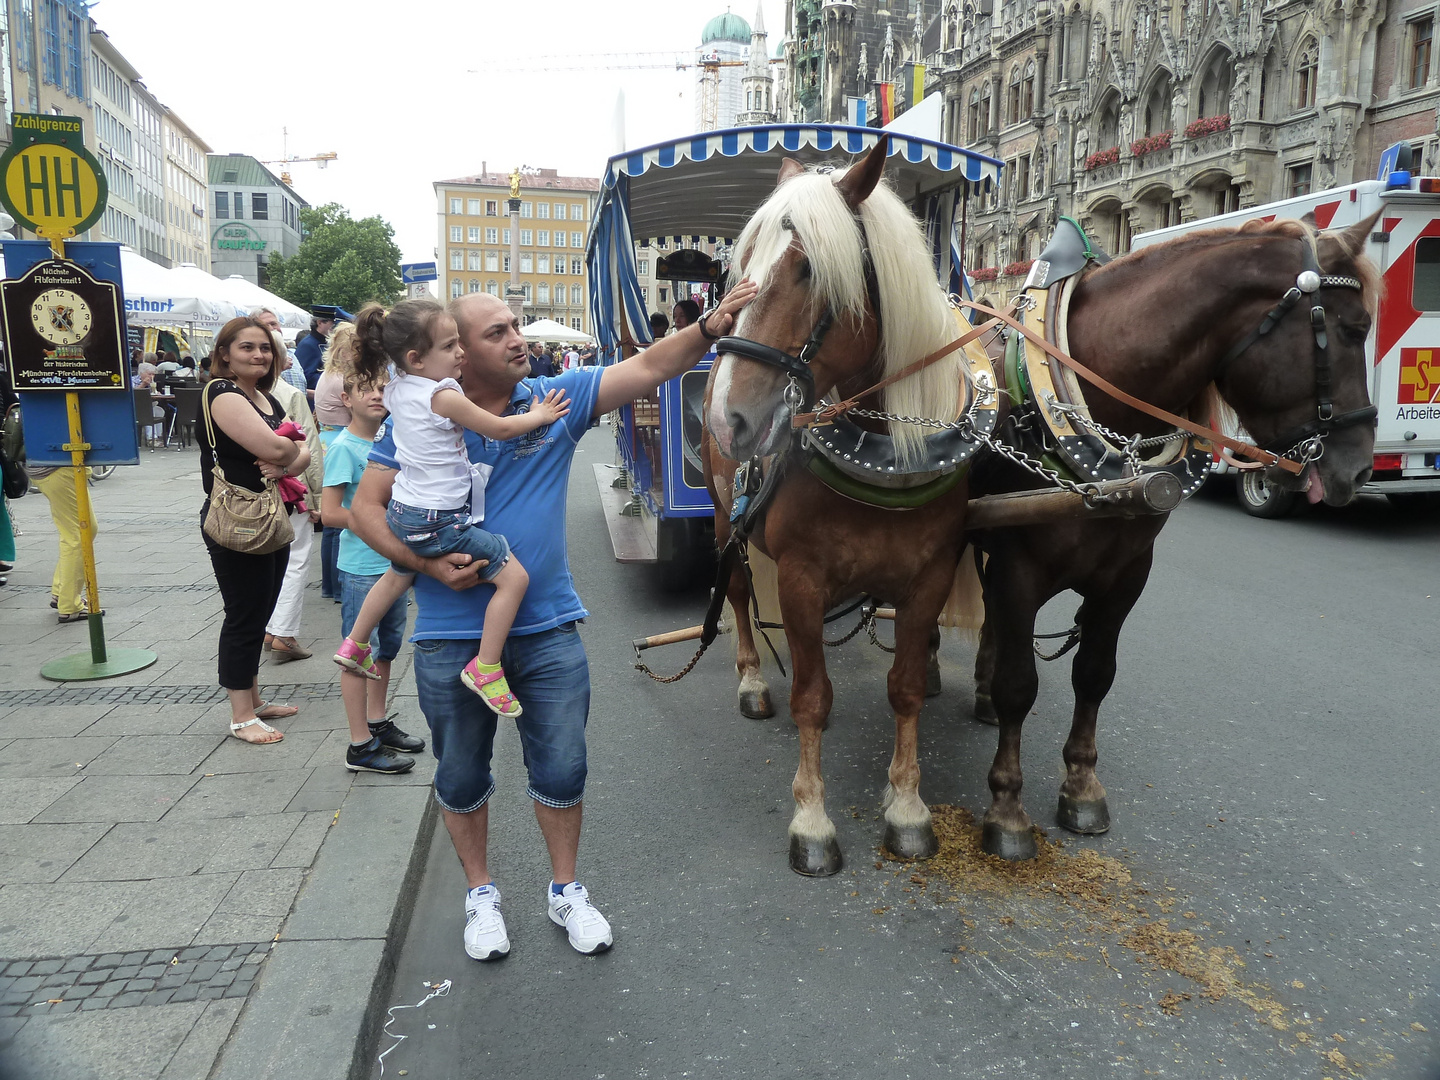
(622, 383)
(367, 521)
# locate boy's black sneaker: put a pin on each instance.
(376, 757)
(391, 736)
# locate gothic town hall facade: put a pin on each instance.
(1132, 115)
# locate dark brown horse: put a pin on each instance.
(847, 285)
(1162, 324)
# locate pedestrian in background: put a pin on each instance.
(659, 325)
(247, 445)
(284, 624)
(685, 314)
(67, 584)
(376, 744)
(290, 372)
(8, 397)
(310, 350)
(333, 417)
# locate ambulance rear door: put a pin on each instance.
(1405, 382)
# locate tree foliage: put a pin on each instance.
(341, 261)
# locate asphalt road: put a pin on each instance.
(1270, 754)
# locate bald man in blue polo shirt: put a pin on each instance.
(525, 484)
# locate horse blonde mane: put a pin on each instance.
(915, 316)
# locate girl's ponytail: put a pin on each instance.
(371, 358)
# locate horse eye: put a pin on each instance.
(802, 268)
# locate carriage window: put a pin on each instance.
(1425, 295)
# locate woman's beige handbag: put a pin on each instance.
(250, 522)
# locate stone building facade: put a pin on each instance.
(1138, 114)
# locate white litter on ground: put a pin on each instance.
(440, 989)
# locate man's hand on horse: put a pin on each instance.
(722, 320)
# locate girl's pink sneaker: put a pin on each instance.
(356, 658)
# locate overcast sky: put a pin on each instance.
(408, 93)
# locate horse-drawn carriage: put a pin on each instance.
(672, 201)
(852, 415)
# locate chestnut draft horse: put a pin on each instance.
(847, 297)
(1164, 324)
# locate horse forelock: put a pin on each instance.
(915, 315)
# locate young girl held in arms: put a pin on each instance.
(431, 504)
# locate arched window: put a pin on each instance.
(1109, 130)
(474, 285)
(1157, 105)
(1306, 68)
(1214, 96)
(985, 110)
(1012, 102)
(455, 288)
(493, 288)
(973, 125)
(1027, 91)
(544, 293)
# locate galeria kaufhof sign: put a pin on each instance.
(234, 237)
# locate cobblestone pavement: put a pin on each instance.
(148, 862)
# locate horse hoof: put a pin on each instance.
(911, 841)
(1089, 817)
(932, 680)
(756, 705)
(1013, 845)
(985, 710)
(815, 858)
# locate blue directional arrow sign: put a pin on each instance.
(413, 273)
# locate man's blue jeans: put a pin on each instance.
(549, 675)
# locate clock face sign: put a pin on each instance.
(63, 329)
(61, 317)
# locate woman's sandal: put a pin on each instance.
(280, 711)
(500, 702)
(235, 730)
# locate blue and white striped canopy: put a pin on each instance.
(710, 184)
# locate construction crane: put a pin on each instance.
(709, 63)
(321, 160)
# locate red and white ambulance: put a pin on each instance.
(1404, 345)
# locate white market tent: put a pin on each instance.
(155, 296)
(248, 295)
(191, 280)
(550, 330)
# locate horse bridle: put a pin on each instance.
(800, 391)
(1308, 440)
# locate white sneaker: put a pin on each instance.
(485, 937)
(589, 931)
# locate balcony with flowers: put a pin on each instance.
(1152, 152)
(1208, 135)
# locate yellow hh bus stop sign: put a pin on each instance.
(49, 182)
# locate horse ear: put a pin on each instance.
(788, 168)
(860, 180)
(1308, 218)
(1352, 240)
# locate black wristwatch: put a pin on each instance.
(704, 330)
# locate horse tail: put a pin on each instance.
(964, 610)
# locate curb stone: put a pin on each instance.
(318, 1006)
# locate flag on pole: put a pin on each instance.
(910, 90)
(885, 99)
(856, 110)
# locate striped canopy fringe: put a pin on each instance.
(729, 142)
(615, 299)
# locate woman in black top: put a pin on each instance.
(248, 451)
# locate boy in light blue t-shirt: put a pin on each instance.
(376, 744)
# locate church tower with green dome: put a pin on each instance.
(726, 39)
